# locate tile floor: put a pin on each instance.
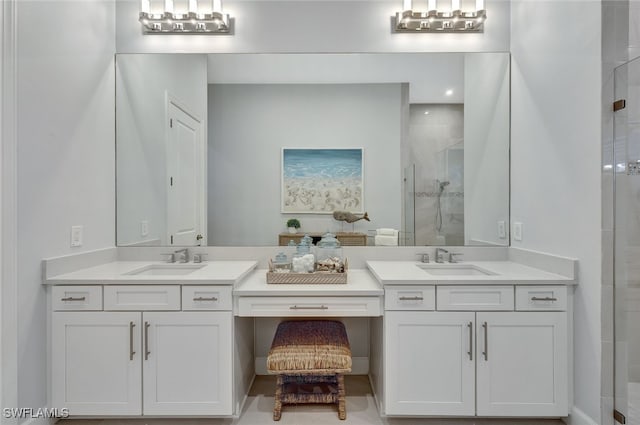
(258, 410)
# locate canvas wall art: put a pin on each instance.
(320, 181)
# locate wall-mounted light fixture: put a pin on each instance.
(452, 19)
(199, 17)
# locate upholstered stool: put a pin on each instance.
(310, 357)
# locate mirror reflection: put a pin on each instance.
(225, 149)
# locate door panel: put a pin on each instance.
(185, 210)
(188, 368)
(95, 371)
(522, 364)
(429, 369)
(625, 171)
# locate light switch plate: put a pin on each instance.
(502, 229)
(144, 228)
(517, 231)
(76, 235)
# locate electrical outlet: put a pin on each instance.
(144, 228)
(502, 229)
(76, 236)
(517, 231)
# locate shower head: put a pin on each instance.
(442, 184)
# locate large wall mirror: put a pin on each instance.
(224, 149)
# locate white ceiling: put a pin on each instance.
(429, 75)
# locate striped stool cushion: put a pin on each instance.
(310, 347)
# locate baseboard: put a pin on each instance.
(578, 417)
(359, 366)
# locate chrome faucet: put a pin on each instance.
(453, 256)
(424, 257)
(440, 254)
(182, 255)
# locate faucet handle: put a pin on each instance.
(453, 255)
(424, 257)
(171, 257)
(199, 257)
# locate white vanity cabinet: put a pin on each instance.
(476, 354)
(429, 370)
(139, 362)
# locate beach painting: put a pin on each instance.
(320, 181)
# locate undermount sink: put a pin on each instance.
(166, 270)
(455, 270)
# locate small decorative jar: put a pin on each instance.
(281, 263)
(303, 260)
(329, 254)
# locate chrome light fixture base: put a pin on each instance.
(439, 22)
(188, 23)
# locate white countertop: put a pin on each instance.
(115, 273)
(503, 272)
(359, 283)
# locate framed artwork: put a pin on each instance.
(320, 181)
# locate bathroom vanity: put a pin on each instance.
(132, 338)
(472, 339)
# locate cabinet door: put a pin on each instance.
(430, 366)
(187, 366)
(524, 371)
(96, 367)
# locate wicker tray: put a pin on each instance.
(307, 278)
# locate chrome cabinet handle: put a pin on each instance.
(486, 341)
(321, 307)
(470, 352)
(544, 299)
(73, 299)
(205, 299)
(146, 340)
(131, 352)
(411, 298)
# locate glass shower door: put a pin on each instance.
(626, 172)
(407, 235)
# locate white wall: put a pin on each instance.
(486, 147)
(555, 158)
(142, 83)
(65, 155)
(313, 26)
(250, 124)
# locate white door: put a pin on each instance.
(96, 363)
(185, 170)
(430, 363)
(522, 364)
(187, 370)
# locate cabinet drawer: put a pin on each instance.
(309, 306)
(66, 298)
(474, 298)
(206, 298)
(410, 298)
(547, 298)
(142, 297)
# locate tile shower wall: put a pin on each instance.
(435, 145)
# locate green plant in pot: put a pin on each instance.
(293, 224)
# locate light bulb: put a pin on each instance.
(407, 5)
(455, 5)
(433, 5)
(479, 5)
(217, 6)
(145, 6)
(168, 6)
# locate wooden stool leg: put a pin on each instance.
(277, 408)
(342, 397)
